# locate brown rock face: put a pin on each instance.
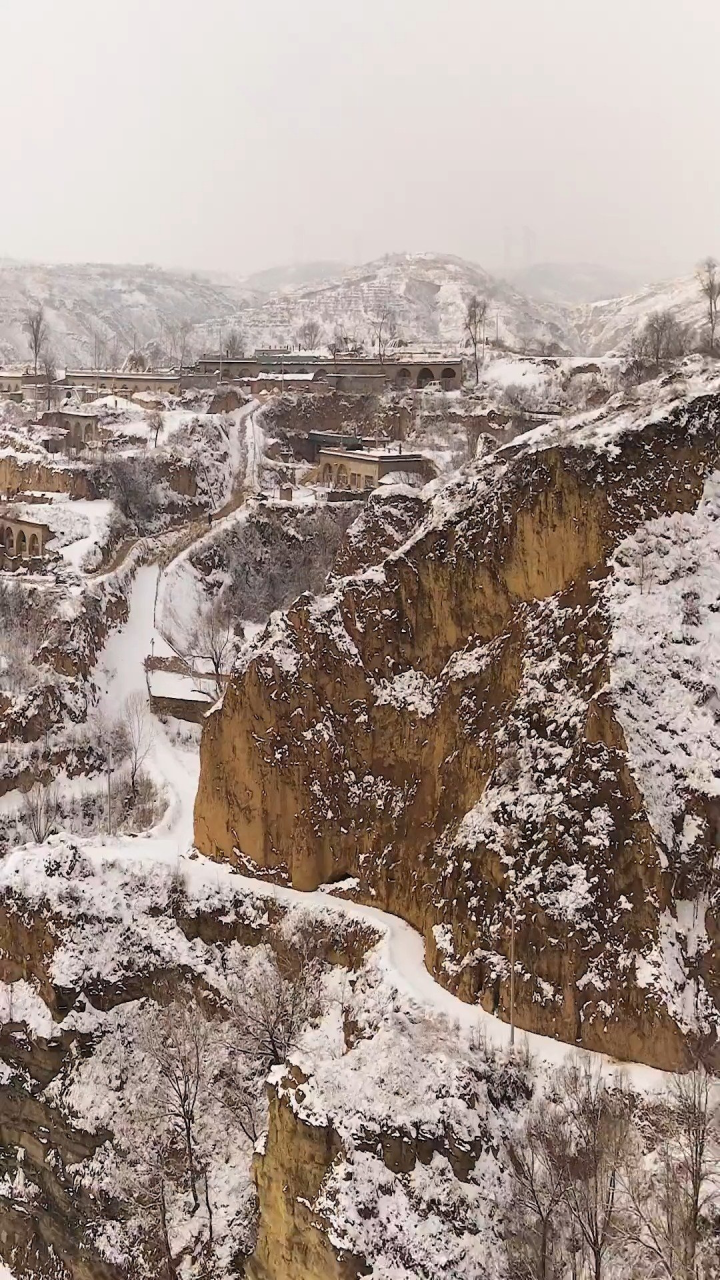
(440, 728)
(292, 1243)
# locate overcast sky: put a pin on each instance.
(233, 135)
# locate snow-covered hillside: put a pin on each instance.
(116, 304)
(605, 327)
(95, 311)
(427, 294)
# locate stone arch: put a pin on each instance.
(301, 370)
(342, 478)
(21, 545)
(34, 546)
(9, 541)
(403, 379)
(327, 474)
(448, 378)
(424, 376)
(320, 375)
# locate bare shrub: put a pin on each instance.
(140, 736)
(177, 1041)
(595, 1140)
(39, 811)
(691, 608)
(534, 1230)
(270, 1012)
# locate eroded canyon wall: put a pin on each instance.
(440, 728)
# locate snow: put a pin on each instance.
(401, 952)
(665, 655)
(172, 684)
(254, 443)
(410, 691)
(120, 672)
(80, 527)
(627, 411)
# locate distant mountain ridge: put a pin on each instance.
(427, 294)
(91, 307)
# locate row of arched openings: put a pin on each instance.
(19, 544)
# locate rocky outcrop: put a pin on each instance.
(292, 1242)
(441, 729)
(386, 522)
(391, 1155)
(22, 475)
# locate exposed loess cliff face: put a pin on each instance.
(449, 729)
(291, 1242)
(92, 947)
(388, 1158)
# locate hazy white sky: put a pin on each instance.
(233, 135)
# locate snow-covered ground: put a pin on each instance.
(80, 528)
(401, 953)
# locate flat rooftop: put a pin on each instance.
(372, 455)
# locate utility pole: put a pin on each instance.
(512, 977)
(109, 793)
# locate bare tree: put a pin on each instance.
(49, 373)
(155, 424)
(149, 1169)
(384, 328)
(214, 641)
(39, 809)
(474, 324)
(596, 1127)
(139, 731)
(696, 1137)
(269, 1013)
(35, 326)
(309, 334)
(136, 362)
(181, 334)
(709, 280)
(114, 354)
(129, 482)
(234, 343)
(662, 338)
(538, 1170)
(177, 1041)
(242, 1092)
(669, 1187)
(99, 350)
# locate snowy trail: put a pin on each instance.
(254, 439)
(401, 951)
(121, 673)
